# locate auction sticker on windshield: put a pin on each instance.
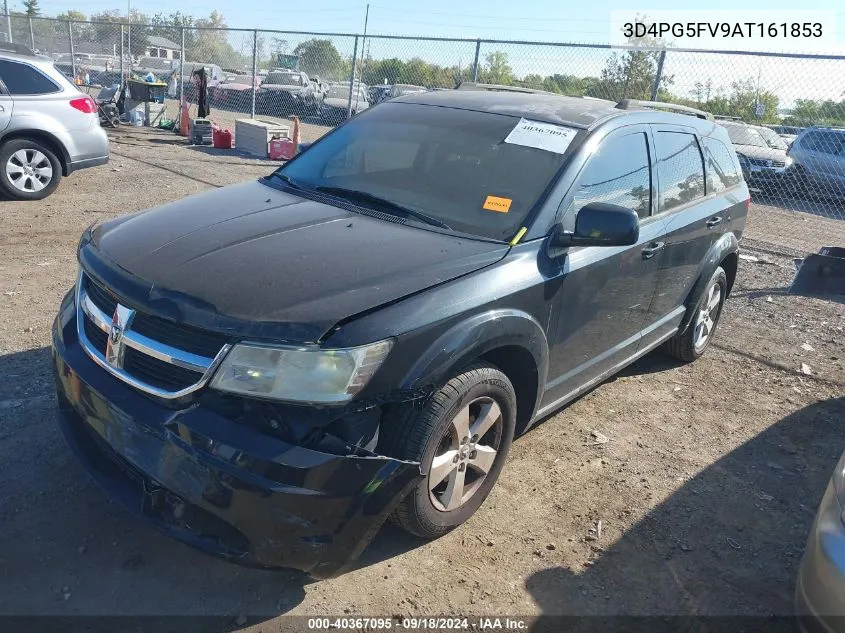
(500, 205)
(547, 136)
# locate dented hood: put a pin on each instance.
(253, 261)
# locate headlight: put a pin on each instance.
(789, 161)
(300, 374)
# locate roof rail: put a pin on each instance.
(472, 85)
(633, 104)
(14, 47)
(725, 117)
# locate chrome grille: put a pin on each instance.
(146, 358)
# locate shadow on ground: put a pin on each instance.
(742, 521)
(77, 553)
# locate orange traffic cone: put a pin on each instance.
(184, 118)
(295, 120)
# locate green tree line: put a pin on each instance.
(630, 74)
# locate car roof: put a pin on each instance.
(22, 54)
(573, 111)
(579, 112)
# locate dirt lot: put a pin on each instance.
(705, 491)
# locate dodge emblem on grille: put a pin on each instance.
(115, 346)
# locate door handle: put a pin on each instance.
(2, 108)
(652, 249)
(714, 222)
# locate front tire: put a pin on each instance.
(28, 169)
(461, 439)
(692, 344)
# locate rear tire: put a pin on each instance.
(28, 169)
(692, 344)
(479, 404)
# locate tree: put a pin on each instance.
(496, 69)
(106, 30)
(320, 57)
(568, 84)
(31, 8)
(58, 28)
(171, 26)
(811, 112)
(72, 14)
(631, 75)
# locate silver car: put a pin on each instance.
(48, 128)
(819, 155)
(820, 590)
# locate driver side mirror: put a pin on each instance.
(600, 224)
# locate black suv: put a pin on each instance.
(269, 370)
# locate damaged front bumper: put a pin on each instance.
(218, 485)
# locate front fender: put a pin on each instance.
(724, 246)
(474, 337)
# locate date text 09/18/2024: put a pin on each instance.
(419, 624)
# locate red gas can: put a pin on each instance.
(282, 149)
(222, 139)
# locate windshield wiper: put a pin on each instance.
(289, 181)
(384, 204)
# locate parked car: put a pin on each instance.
(268, 371)
(787, 132)
(287, 92)
(377, 94)
(763, 166)
(235, 92)
(819, 155)
(48, 128)
(772, 138)
(337, 103)
(820, 589)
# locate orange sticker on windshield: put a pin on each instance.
(500, 205)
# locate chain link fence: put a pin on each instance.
(785, 113)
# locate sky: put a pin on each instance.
(546, 20)
(595, 21)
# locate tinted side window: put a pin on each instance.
(721, 166)
(822, 141)
(680, 169)
(618, 173)
(22, 79)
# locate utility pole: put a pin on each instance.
(8, 19)
(129, 33)
(363, 42)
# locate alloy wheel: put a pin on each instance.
(465, 454)
(705, 321)
(29, 170)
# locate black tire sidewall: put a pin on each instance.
(498, 387)
(14, 145)
(721, 278)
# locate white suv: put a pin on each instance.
(48, 128)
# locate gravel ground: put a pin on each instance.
(704, 492)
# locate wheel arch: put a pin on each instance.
(42, 137)
(511, 340)
(724, 252)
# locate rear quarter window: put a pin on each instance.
(721, 167)
(23, 79)
(680, 169)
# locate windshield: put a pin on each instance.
(342, 92)
(451, 165)
(743, 135)
(284, 79)
(772, 139)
